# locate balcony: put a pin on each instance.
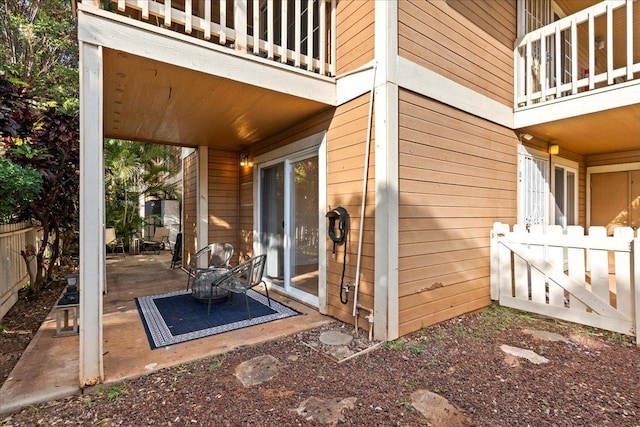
(297, 33)
(583, 66)
(221, 73)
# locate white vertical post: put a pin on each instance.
(310, 35)
(298, 31)
(284, 22)
(270, 29)
(574, 56)
(599, 262)
(240, 24)
(528, 71)
(592, 52)
(556, 259)
(521, 281)
(576, 261)
(92, 247)
(609, 46)
(256, 27)
(323, 37)
(121, 5)
(623, 270)
(223, 21)
(544, 79)
(145, 10)
(334, 30)
(167, 13)
(559, 59)
(630, 30)
(207, 20)
(188, 16)
(202, 205)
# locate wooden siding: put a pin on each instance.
(613, 158)
(437, 36)
(223, 198)
(190, 207)
(346, 142)
(354, 39)
(457, 177)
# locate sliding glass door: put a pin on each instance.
(288, 224)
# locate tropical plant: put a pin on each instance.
(38, 138)
(132, 170)
(38, 45)
(19, 186)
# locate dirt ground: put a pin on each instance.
(592, 378)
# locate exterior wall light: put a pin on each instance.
(554, 149)
(244, 159)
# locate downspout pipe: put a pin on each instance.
(365, 177)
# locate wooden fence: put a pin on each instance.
(589, 279)
(13, 269)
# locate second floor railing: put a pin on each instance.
(299, 33)
(596, 47)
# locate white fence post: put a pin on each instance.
(635, 286)
(498, 230)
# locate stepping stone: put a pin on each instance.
(335, 338)
(437, 410)
(257, 370)
(325, 411)
(531, 356)
(545, 336)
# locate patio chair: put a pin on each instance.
(219, 255)
(158, 241)
(116, 244)
(241, 278)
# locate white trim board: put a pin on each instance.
(423, 81)
(148, 41)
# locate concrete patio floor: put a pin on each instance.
(49, 368)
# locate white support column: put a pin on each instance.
(202, 233)
(92, 246)
(386, 315)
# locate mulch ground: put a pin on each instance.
(591, 379)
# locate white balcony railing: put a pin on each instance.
(299, 33)
(594, 48)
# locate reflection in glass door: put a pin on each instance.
(289, 225)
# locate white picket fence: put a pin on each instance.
(588, 279)
(13, 270)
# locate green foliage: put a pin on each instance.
(217, 363)
(38, 45)
(395, 345)
(133, 169)
(19, 186)
(39, 138)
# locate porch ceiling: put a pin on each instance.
(613, 130)
(151, 101)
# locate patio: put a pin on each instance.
(49, 367)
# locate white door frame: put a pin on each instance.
(306, 147)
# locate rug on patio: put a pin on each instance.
(178, 317)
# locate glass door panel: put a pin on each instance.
(304, 225)
(272, 221)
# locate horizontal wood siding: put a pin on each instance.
(190, 207)
(223, 198)
(457, 177)
(452, 39)
(614, 158)
(346, 142)
(354, 38)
